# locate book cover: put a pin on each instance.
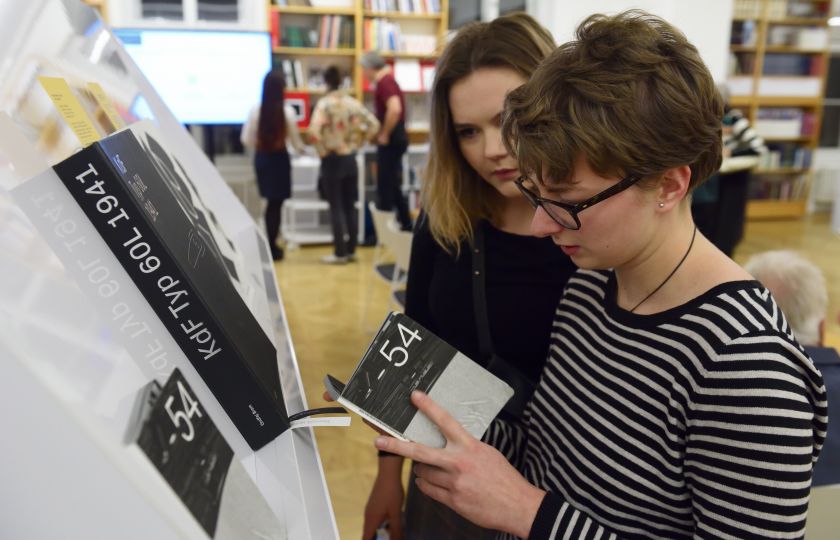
(137, 197)
(403, 357)
(173, 430)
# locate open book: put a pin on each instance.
(404, 357)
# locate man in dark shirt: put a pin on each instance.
(392, 140)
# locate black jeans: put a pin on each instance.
(339, 178)
(389, 178)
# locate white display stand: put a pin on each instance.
(69, 370)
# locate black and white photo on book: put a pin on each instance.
(403, 357)
(172, 429)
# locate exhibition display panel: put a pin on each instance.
(112, 428)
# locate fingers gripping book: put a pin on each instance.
(403, 357)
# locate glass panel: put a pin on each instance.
(64, 321)
(162, 9)
(218, 10)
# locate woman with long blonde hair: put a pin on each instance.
(477, 278)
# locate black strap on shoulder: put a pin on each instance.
(522, 386)
(485, 342)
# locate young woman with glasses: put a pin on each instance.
(676, 402)
(473, 213)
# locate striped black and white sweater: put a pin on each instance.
(703, 421)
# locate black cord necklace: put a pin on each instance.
(674, 271)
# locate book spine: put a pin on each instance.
(101, 194)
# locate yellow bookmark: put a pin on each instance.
(70, 109)
(106, 104)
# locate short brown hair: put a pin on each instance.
(630, 94)
(454, 195)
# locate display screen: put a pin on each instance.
(203, 76)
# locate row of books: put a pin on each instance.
(785, 156)
(384, 35)
(793, 64)
(803, 37)
(786, 189)
(743, 33)
(779, 122)
(293, 72)
(779, 9)
(781, 64)
(404, 6)
(311, 78)
(329, 32)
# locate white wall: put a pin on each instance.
(707, 24)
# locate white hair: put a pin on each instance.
(799, 289)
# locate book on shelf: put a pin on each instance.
(325, 32)
(171, 428)
(404, 6)
(403, 357)
(140, 200)
(770, 188)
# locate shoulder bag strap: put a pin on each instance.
(485, 343)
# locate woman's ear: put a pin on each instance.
(673, 187)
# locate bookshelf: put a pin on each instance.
(402, 30)
(778, 64)
(408, 33)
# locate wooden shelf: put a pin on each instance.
(781, 170)
(307, 90)
(308, 10)
(430, 25)
(790, 49)
(774, 209)
(768, 19)
(785, 101)
(314, 51)
(400, 15)
(405, 54)
(800, 21)
(801, 139)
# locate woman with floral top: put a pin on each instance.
(340, 126)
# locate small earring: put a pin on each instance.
(662, 205)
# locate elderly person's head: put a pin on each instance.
(799, 289)
(371, 63)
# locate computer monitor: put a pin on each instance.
(203, 76)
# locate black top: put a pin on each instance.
(525, 277)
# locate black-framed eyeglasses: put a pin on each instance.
(566, 215)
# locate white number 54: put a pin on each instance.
(407, 337)
(182, 418)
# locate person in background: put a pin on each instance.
(674, 402)
(719, 206)
(392, 140)
(469, 191)
(269, 129)
(340, 125)
(799, 289)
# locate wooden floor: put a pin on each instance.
(325, 304)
